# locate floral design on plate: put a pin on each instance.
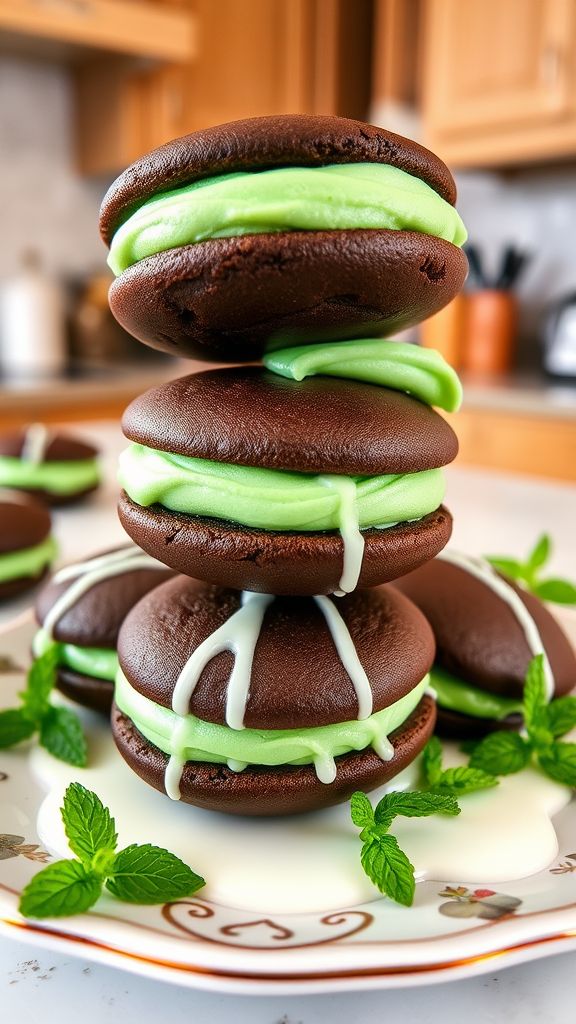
(15, 846)
(566, 867)
(484, 903)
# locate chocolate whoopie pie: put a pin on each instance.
(261, 705)
(245, 479)
(57, 468)
(487, 630)
(27, 547)
(238, 237)
(80, 612)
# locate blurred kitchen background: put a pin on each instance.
(86, 86)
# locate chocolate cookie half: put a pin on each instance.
(246, 479)
(487, 630)
(57, 468)
(80, 612)
(238, 237)
(262, 705)
(27, 547)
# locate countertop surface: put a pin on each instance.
(493, 514)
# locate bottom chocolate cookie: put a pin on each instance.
(93, 693)
(268, 791)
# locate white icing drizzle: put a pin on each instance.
(87, 574)
(348, 655)
(175, 766)
(350, 532)
(35, 443)
(483, 571)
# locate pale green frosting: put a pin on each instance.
(60, 478)
(421, 372)
(335, 197)
(456, 695)
(15, 565)
(97, 662)
(191, 739)
(272, 499)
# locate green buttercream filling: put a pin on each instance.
(97, 662)
(17, 565)
(455, 695)
(191, 739)
(421, 372)
(335, 197)
(54, 477)
(272, 499)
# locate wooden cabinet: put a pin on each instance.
(499, 82)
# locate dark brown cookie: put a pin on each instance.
(96, 694)
(479, 638)
(455, 725)
(230, 299)
(261, 791)
(297, 680)
(24, 522)
(260, 143)
(13, 588)
(58, 447)
(251, 417)
(278, 563)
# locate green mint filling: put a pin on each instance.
(455, 695)
(60, 478)
(96, 662)
(421, 372)
(15, 565)
(192, 739)
(272, 499)
(334, 197)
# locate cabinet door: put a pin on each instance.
(496, 63)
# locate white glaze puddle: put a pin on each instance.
(311, 863)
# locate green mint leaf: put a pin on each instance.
(87, 823)
(432, 761)
(501, 753)
(463, 780)
(540, 553)
(508, 566)
(388, 867)
(14, 727)
(469, 746)
(149, 874)
(60, 890)
(556, 590)
(414, 804)
(61, 734)
(39, 685)
(361, 810)
(535, 694)
(559, 762)
(561, 716)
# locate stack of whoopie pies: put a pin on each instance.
(279, 683)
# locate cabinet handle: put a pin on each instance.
(550, 62)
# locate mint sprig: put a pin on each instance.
(386, 865)
(138, 874)
(58, 728)
(504, 753)
(455, 781)
(529, 573)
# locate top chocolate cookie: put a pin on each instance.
(231, 240)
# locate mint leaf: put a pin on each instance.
(540, 552)
(501, 753)
(61, 734)
(463, 780)
(559, 762)
(508, 566)
(561, 716)
(149, 874)
(388, 867)
(432, 760)
(39, 685)
(14, 727)
(361, 810)
(415, 804)
(556, 590)
(535, 698)
(88, 824)
(60, 890)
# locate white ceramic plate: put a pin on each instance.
(238, 935)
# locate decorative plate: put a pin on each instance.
(287, 907)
